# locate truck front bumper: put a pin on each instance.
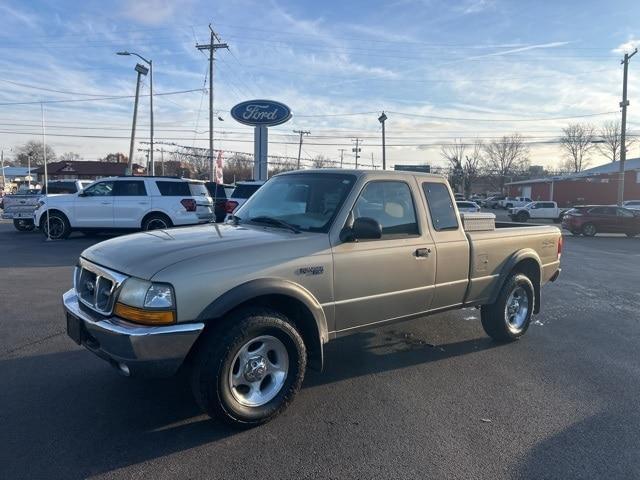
(132, 349)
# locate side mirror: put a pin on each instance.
(81, 193)
(363, 228)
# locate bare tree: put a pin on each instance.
(238, 167)
(279, 165)
(610, 138)
(454, 154)
(320, 161)
(70, 157)
(504, 158)
(577, 142)
(33, 149)
(115, 158)
(471, 166)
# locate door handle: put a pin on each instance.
(422, 252)
(105, 203)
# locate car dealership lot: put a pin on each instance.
(429, 398)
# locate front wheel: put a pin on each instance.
(248, 369)
(56, 226)
(508, 318)
(522, 217)
(589, 230)
(23, 225)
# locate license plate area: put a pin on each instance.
(75, 329)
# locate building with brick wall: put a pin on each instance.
(598, 186)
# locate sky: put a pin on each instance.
(441, 70)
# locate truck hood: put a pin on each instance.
(144, 254)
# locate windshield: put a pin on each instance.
(307, 202)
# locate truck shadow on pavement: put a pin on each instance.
(66, 415)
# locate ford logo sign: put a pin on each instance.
(261, 113)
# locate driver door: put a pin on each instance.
(94, 206)
(390, 277)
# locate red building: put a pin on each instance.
(598, 185)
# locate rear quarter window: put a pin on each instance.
(443, 215)
(244, 191)
(198, 189)
(173, 189)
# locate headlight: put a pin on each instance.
(146, 302)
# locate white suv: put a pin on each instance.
(125, 203)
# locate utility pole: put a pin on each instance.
(383, 118)
(4, 180)
(373, 166)
(341, 156)
(301, 133)
(623, 128)
(356, 150)
(212, 46)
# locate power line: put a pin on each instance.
(98, 98)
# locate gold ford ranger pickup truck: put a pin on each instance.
(246, 306)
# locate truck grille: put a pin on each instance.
(96, 286)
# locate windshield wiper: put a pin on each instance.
(276, 222)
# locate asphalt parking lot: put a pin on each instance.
(430, 398)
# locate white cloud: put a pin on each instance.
(476, 6)
(154, 11)
(628, 46)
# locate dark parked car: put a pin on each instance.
(591, 219)
(220, 194)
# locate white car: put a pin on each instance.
(631, 204)
(537, 210)
(512, 202)
(241, 193)
(467, 206)
(125, 203)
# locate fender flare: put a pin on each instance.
(274, 286)
(514, 259)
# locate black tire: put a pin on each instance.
(60, 227)
(24, 225)
(497, 319)
(156, 221)
(522, 217)
(589, 230)
(631, 234)
(215, 361)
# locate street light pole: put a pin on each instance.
(150, 71)
(382, 118)
(142, 70)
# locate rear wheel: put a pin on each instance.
(156, 221)
(589, 230)
(248, 369)
(509, 317)
(57, 227)
(23, 225)
(522, 217)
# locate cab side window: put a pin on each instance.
(443, 215)
(391, 204)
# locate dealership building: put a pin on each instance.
(598, 186)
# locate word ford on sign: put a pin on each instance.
(261, 113)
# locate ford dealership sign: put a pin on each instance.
(261, 113)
